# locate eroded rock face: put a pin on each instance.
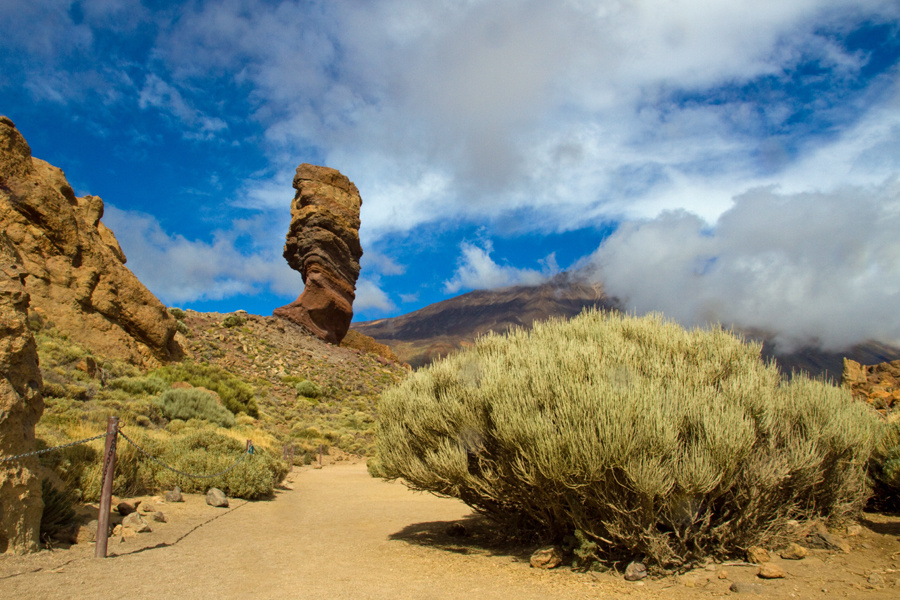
(77, 274)
(20, 408)
(877, 385)
(323, 244)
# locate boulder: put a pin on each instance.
(216, 497)
(877, 385)
(323, 244)
(77, 274)
(21, 404)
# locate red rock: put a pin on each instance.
(323, 244)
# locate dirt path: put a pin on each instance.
(341, 534)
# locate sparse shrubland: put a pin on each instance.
(186, 427)
(237, 395)
(633, 435)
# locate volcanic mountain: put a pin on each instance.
(422, 336)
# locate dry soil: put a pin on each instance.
(337, 533)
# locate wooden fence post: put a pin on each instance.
(109, 459)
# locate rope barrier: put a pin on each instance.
(46, 450)
(249, 450)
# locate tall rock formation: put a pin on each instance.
(20, 408)
(77, 274)
(323, 244)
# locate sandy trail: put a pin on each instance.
(341, 534)
(329, 537)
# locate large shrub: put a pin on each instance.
(192, 403)
(884, 468)
(237, 395)
(637, 436)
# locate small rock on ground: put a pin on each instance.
(126, 508)
(546, 558)
(216, 497)
(770, 571)
(174, 495)
(794, 552)
(757, 555)
(635, 571)
(746, 587)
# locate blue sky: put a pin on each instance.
(733, 161)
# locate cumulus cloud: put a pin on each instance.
(477, 270)
(817, 268)
(370, 296)
(181, 270)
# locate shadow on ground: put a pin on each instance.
(475, 534)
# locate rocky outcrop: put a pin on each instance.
(323, 244)
(20, 408)
(877, 385)
(77, 274)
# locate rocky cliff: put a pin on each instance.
(20, 408)
(878, 385)
(323, 244)
(77, 274)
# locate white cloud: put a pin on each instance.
(370, 296)
(821, 268)
(476, 270)
(158, 94)
(181, 270)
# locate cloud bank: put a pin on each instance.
(818, 268)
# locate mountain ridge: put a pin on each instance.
(435, 330)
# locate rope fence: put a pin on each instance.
(113, 431)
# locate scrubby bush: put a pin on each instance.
(206, 451)
(149, 386)
(178, 313)
(308, 389)
(644, 439)
(236, 395)
(191, 403)
(233, 320)
(884, 468)
(199, 451)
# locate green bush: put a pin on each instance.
(645, 439)
(207, 452)
(200, 451)
(178, 313)
(191, 403)
(884, 468)
(149, 386)
(308, 389)
(237, 395)
(233, 320)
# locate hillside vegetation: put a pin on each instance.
(628, 438)
(246, 378)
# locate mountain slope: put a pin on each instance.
(436, 330)
(421, 336)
